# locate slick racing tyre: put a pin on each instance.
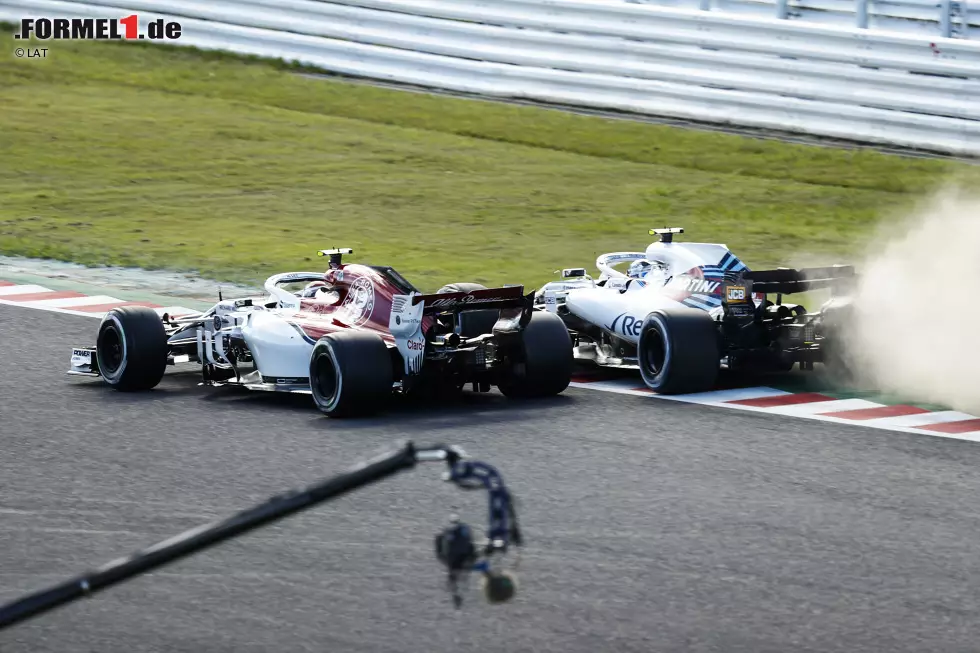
(546, 359)
(472, 323)
(351, 374)
(131, 349)
(678, 351)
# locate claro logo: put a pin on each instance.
(416, 345)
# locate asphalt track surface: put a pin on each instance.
(651, 526)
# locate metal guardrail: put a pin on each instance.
(944, 18)
(871, 86)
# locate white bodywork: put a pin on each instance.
(281, 351)
(620, 313)
(621, 304)
(405, 324)
(606, 317)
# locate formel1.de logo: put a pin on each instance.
(97, 29)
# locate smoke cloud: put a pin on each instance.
(915, 331)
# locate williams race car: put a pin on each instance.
(350, 337)
(684, 311)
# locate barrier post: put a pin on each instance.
(861, 12)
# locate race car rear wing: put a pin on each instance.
(405, 321)
(489, 298)
(786, 281)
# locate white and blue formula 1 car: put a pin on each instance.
(684, 311)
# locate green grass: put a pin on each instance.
(171, 158)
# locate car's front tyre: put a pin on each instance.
(131, 348)
(351, 374)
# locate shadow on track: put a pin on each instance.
(436, 411)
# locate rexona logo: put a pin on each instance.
(627, 325)
(96, 29)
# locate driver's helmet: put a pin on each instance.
(312, 288)
(321, 292)
(639, 269)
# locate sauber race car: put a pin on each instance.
(684, 311)
(350, 337)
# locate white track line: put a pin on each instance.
(66, 305)
(808, 411)
(720, 397)
(925, 419)
(714, 398)
(612, 386)
(22, 290)
(52, 309)
(815, 407)
(887, 424)
(71, 301)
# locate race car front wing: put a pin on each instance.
(84, 362)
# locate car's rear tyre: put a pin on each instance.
(131, 348)
(472, 323)
(678, 351)
(545, 360)
(351, 374)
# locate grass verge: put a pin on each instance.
(162, 157)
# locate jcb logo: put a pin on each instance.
(736, 294)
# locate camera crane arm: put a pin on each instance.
(502, 530)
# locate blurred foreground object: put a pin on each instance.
(461, 554)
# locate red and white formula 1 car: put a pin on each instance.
(351, 337)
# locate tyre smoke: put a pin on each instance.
(914, 330)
